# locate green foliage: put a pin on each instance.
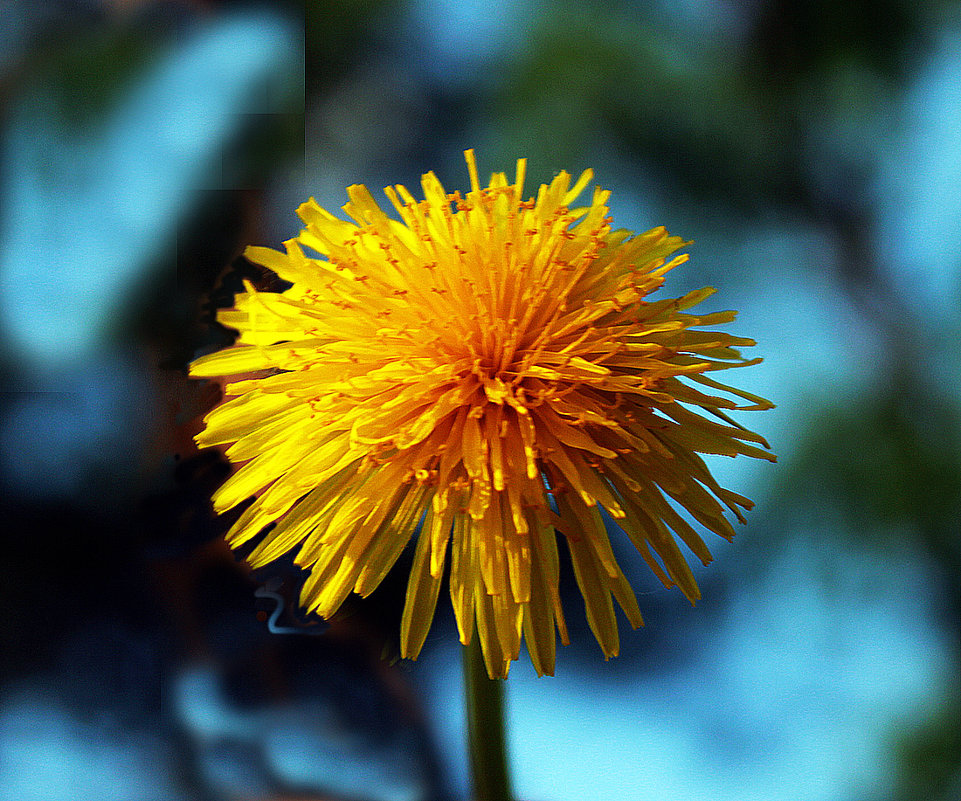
(732, 119)
(337, 34)
(798, 41)
(85, 74)
(886, 462)
(583, 79)
(929, 757)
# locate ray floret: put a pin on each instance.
(484, 372)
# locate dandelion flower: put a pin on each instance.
(488, 372)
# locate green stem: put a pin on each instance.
(485, 728)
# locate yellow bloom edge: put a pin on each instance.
(488, 371)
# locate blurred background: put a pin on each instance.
(812, 149)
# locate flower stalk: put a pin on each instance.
(486, 739)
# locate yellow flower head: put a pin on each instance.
(489, 371)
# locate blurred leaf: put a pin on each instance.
(336, 30)
(929, 757)
(889, 463)
(86, 73)
(680, 106)
(799, 41)
(733, 122)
